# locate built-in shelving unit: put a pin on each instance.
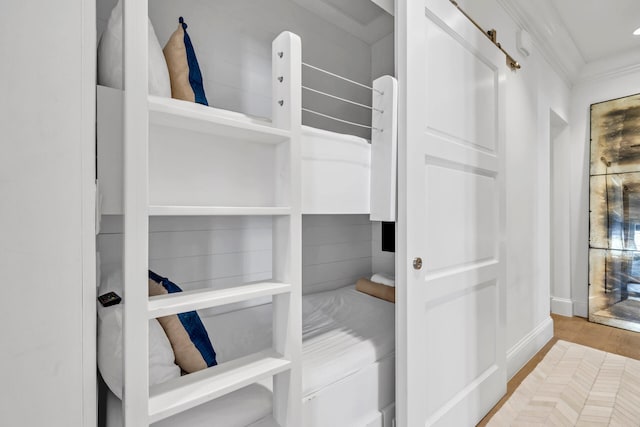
(184, 393)
(165, 157)
(217, 210)
(202, 161)
(188, 116)
(164, 305)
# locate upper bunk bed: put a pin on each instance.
(206, 160)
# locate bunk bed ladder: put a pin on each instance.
(287, 230)
(135, 395)
(143, 405)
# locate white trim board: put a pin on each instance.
(580, 308)
(562, 306)
(88, 233)
(528, 346)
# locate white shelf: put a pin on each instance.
(164, 305)
(267, 421)
(186, 392)
(200, 118)
(157, 210)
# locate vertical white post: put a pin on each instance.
(384, 148)
(88, 123)
(287, 230)
(286, 70)
(135, 258)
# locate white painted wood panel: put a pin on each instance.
(336, 251)
(481, 303)
(194, 147)
(180, 302)
(472, 209)
(451, 219)
(213, 173)
(324, 254)
(219, 252)
(336, 173)
(112, 224)
(383, 57)
(188, 391)
(199, 252)
(336, 233)
(471, 102)
(47, 118)
(225, 125)
(384, 149)
(135, 203)
(195, 251)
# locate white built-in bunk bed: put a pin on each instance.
(322, 359)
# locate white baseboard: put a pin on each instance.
(527, 347)
(562, 306)
(580, 309)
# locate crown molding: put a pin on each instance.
(542, 21)
(612, 67)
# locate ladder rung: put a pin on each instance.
(191, 390)
(180, 302)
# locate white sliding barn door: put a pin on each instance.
(451, 357)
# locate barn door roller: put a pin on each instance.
(491, 35)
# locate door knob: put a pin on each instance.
(417, 263)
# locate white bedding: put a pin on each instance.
(343, 332)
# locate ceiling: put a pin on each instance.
(571, 33)
(600, 28)
(578, 37)
(363, 19)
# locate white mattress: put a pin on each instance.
(344, 331)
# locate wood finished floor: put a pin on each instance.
(580, 331)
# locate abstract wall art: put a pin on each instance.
(614, 217)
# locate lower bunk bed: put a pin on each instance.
(348, 364)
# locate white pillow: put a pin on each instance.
(110, 57)
(384, 279)
(162, 365)
(161, 360)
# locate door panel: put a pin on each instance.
(451, 356)
(479, 301)
(471, 101)
(464, 199)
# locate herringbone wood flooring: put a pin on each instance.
(579, 330)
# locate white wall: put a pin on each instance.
(232, 39)
(220, 252)
(383, 57)
(531, 94)
(336, 251)
(560, 252)
(599, 81)
(47, 117)
(197, 252)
